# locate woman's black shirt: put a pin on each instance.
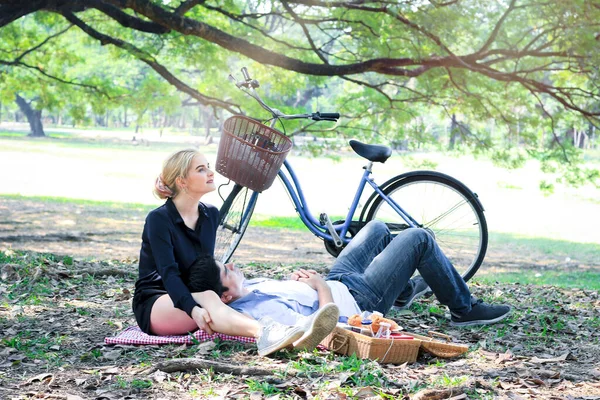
(169, 248)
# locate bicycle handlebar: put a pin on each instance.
(246, 74)
(249, 85)
(325, 116)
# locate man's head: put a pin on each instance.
(224, 279)
(204, 275)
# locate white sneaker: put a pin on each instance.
(318, 326)
(276, 336)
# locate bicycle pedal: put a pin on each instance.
(326, 221)
(323, 219)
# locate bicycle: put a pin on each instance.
(454, 217)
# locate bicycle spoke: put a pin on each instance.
(445, 211)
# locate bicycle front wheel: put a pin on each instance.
(444, 207)
(234, 216)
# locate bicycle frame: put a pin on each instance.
(294, 189)
(470, 228)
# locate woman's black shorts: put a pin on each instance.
(146, 293)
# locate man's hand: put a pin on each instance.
(302, 273)
(202, 319)
(310, 277)
(313, 279)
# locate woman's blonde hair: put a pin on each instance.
(176, 166)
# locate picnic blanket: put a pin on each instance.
(134, 335)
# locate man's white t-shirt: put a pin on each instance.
(289, 301)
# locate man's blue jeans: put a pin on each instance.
(376, 267)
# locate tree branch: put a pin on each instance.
(188, 26)
(126, 20)
(496, 29)
(152, 63)
(507, 59)
(186, 6)
(12, 10)
(44, 73)
(19, 58)
(305, 30)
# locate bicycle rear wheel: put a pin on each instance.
(234, 216)
(444, 207)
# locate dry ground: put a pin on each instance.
(55, 313)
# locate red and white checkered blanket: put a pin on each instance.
(133, 335)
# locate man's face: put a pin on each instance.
(232, 278)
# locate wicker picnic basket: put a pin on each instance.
(393, 351)
(251, 153)
(437, 348)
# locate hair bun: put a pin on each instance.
(161, 189)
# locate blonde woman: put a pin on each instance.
(175, 235)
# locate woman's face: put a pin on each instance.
(233, 279)
(199, 180)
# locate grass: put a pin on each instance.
(543, 249)
(556, 262)
(80, 202)
(262, 387)
(548, 316)
(277, 222)
(567, 279)
(69, 140)
(105, 168)
(564, 249)
(34, 346)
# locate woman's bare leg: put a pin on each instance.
(165, 319)
(224, 318)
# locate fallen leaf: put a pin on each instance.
(504, 357)
(365, 392)
(110, 371)
(17, 357)
(159, 376)
(535, 381)
(41, 378)
(205, 348)
(562, 357)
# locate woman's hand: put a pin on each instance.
(202, 319)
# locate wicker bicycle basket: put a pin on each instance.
(251, 153)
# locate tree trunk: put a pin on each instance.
(33, 116)
(454, 132)
(163, 123)
(125, 123)
(208, 121)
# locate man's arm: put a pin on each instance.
(315, 281)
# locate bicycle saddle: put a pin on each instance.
(372, 152)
